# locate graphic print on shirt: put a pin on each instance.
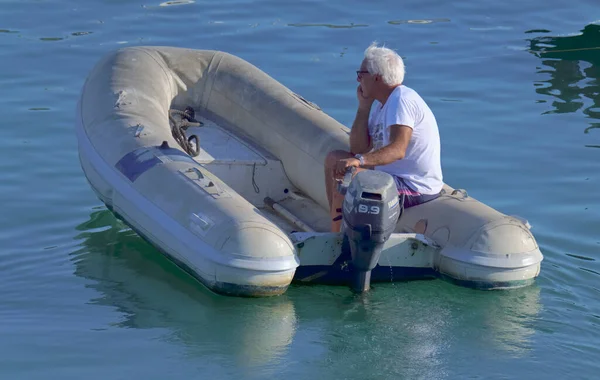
(378, 136)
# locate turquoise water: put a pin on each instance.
(515, 87)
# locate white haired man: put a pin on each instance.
(400, 136)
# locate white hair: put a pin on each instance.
(385, 62)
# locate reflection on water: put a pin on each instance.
(416, 330)
(510, 319)
(398, 328)
(150, 292)
(573, 66)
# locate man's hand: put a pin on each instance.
(343, 165)
(363, 102)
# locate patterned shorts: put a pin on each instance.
(412, 197)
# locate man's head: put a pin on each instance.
(381, 70)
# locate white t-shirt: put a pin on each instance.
(421, 167)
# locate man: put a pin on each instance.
(400, 137)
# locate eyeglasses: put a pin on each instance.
(359, 73)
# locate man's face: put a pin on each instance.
(365, 79)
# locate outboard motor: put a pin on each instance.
(370, 212)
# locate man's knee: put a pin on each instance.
(336, 155)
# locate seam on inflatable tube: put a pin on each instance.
(209, 83)
(168, 77)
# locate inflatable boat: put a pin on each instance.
(220, 167)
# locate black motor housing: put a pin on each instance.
(370, 212)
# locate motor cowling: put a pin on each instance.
(370, 212)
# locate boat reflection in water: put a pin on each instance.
(420, 327)
(151, 293)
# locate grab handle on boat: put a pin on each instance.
(463, 192)
(287, 215)
(306, 102)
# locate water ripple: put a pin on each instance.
(423, 21)
(176, 2)
(333, 26)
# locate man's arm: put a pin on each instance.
(360, 141)
(395, 150)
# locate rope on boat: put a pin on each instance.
(178, 128)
